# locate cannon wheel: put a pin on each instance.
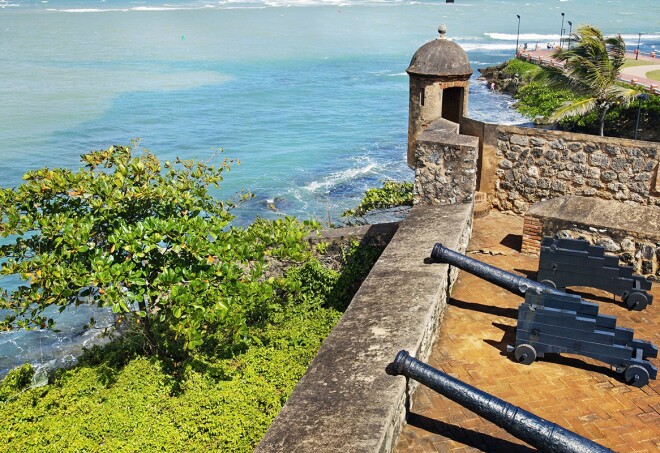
(525, 354)
(636, 375)
(548, 282)
(636, 301)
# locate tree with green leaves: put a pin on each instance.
(145, 239)
(591, 68)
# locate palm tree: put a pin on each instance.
(591, 69)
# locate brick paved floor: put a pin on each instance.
(576, 392)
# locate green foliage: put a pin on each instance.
(524, 70)
(591, 68)
(117, 400)
(390, 195)
(257, 298)
(16, 380)
(141, 238)
(538, 100)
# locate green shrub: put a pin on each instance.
(392, 194)
(524, 70)
(538, 100)
(217, 398)
(16, 380)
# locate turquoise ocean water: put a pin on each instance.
(310, 95)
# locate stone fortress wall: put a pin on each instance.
(533, 165)
(345, 401)
(521, 167)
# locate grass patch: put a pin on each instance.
(653, 75)
(633, 63)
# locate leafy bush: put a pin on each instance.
(117, 400)
(538, 100)
(392, 194)
(143, 239)
(16, 380)
(279, 302)
(524, 70)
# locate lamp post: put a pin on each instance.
(641, 97)
(570, 33)
(517, 34)
(637, 51)
(561, 32)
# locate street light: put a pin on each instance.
(637, 51)
(517, 35)
(561, 32)
(641, 97)
(570, 33)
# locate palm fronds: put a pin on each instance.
(590, 68)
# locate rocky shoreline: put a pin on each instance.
(502, 81)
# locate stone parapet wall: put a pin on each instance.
(445, 165)
(346, 402)
(630, 231)
(534, 165)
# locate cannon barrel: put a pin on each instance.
(512, 282)
(536, 431)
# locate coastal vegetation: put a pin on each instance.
(538, 101)
(215, 324)
(590, 69)
(391, 194)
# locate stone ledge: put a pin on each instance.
(378, 234)
(346, 402)
(626, 218)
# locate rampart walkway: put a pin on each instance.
(576, 392)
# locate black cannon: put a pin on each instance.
(536, 431)
(574, 262)
(551, 321)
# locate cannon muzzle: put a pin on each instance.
(536, 431)
(512, 282)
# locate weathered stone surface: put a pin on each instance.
(346, 402)
(609, 244)
(445, 165)
(626, 229)
(564, 163)
(519, 140)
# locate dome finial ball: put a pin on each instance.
(442, 29)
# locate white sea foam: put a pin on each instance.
(487, 46)
(523, 37)
(526, 37)
(366, 167)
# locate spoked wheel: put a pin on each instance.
(525, 354)
(636, 375)
(636, 301)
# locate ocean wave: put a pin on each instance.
(523, 37)
(365, 167)
(226, 4)
(554, 37)
(486, 46)
(86, 10)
